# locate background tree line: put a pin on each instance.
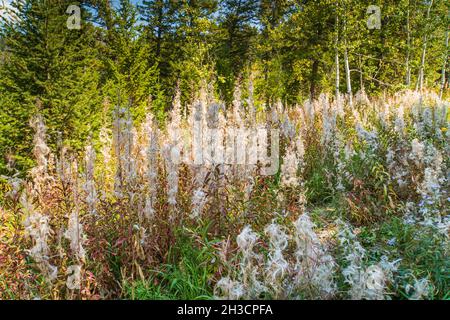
(136, 54)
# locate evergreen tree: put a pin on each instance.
(159, 32)
(132, 77)
(49, 69)
(195, 34)
(271, 15)
(180, 35)
(238, 31)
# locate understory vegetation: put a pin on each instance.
(357, 207)
(224, 149)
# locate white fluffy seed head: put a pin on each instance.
(247, 239)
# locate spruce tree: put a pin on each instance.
(132, 76)
(50, 69)
(237, 41)
(159, 18)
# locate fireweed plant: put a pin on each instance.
(355, 206)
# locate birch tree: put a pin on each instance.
(336, 59)
(420, 79)
(408, 47)
(444, 65)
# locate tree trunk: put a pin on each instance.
(337, 82)
(314, 72)
(419, 86)
(408, 50)
(444, 66)
(347, 66)
(336, 59)
(348, 77)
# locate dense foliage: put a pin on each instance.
(130, 52)
(357, 207)
(236, 149)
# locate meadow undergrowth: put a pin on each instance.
(357, 207)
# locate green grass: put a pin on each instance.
(187, 277)
(421, 251)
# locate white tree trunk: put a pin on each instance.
(336, 45)
(348, 77)
(408, 50)
(444, 66)
(347, 67)
(424, 52)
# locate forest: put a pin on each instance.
(224, 149)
